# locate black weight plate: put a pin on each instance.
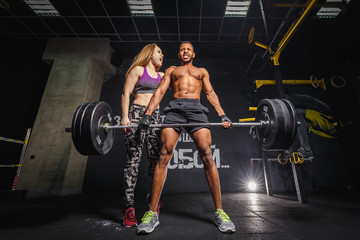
(76, 128)
(85, 146)
(266, 112)
(293, 121)
(76, 121)
(282, 138)
(75, 133)
(280, 132)
(102, 140)
(86, 141)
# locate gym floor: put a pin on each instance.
(327, 215)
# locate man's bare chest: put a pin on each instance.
(186, 72)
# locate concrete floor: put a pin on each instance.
(184, 216)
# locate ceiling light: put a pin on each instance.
(237, 8)
(141, 7)
(330, 12)
(42, 7)
(4, 4)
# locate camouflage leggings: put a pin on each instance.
(134, 142)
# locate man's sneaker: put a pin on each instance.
(160, 205)
(223, 222)
(129, 218)
(148, 223)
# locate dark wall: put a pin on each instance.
(335, 164)
(23, 79)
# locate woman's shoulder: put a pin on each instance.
(138, 70)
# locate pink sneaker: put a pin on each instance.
(160, 205)
(129, 218)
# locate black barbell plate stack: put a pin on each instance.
(280, 132)
(282, 139)
(87, 141)
(78, 136)
(75, 123)
(90, 135)
(101, 140)
(266, 111)
(292, 126)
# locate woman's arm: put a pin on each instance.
(160, 91)
(129, 86)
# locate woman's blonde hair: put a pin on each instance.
(144, 57)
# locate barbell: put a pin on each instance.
(92, 127)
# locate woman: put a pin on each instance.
(141, 80)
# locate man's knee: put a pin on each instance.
(165, 156)
(206, 157)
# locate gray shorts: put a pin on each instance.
(185, 110)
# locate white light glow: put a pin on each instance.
(252, 186)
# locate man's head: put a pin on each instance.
(186, 52)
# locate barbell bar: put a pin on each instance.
(93, 132)
(107, 126)
(162, 125)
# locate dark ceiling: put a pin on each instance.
(199, 21)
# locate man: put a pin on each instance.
(186, 81)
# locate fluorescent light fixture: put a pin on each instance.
(141, 7)
(338, 1)
(42, 8)
(330, 12)
(237, 8)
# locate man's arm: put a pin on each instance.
(210, 93)
(160, 91)
(213, 99)
(155, 100)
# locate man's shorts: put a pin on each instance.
(185, 110)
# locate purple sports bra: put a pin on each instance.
(146, 83)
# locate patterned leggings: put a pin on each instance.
(134, 142)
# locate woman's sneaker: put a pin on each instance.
(160, 205)
(223, 222)
(129, 217)
(148, 223)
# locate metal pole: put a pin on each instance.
(292, 31)
(267, 175)
(280, 27)
(21, 159)
(242, 124)
(299, 183)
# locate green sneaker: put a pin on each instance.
(148, 223)
(223, 222)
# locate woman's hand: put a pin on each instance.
(169, 70)
(125, 121)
